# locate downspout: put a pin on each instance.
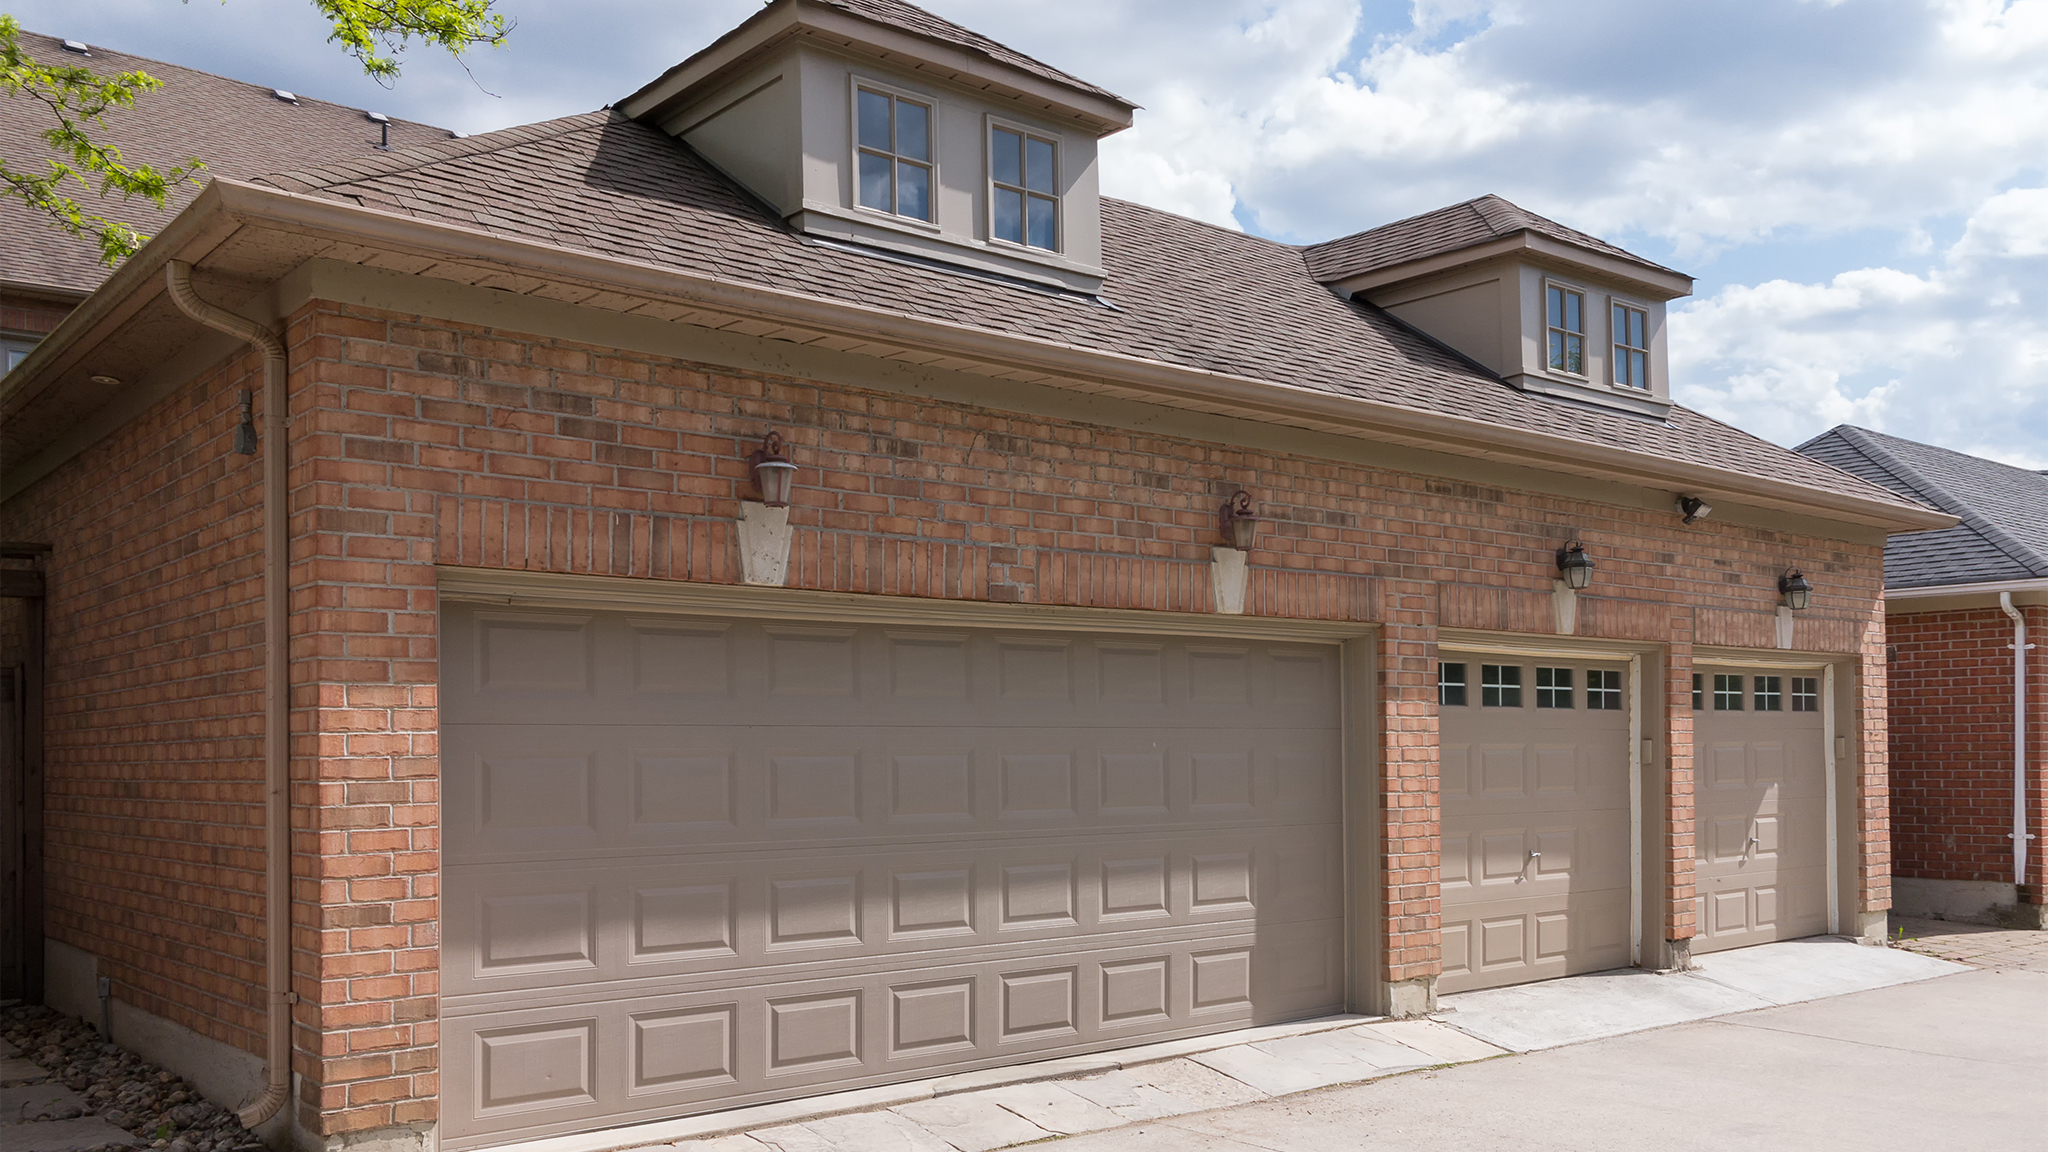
(2019, 738)
(277, 967)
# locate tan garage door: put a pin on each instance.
(1536, 818)
(694, 864)
(1761, 807)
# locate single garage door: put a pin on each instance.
(1536, 818)
(694, 864)
(1760, 798)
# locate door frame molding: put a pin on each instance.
(509, 587)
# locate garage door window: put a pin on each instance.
(1697, 702)
(1450, 685)
(1805, 694)
(1727, 693)
(1500, 685)
(1553, 687)
(1603, 690)
(1770, 695)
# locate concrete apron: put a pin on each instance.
(1017, 1105)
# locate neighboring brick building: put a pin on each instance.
(1956, 601)
(617, 792)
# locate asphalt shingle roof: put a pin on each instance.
(1184, 293)
(1466, 225)
(2004, 510)
(240, 130)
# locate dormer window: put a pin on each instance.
(1631, 347)
(895, 146)
(1566, 310)
(1024, 205)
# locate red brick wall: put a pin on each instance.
(154, 775)
(418, 442)
(20, 314)
(1951, 745)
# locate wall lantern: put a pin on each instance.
(1240, 524)
(1574, 565)
(773, 473)
(1693, 509)
(1797, 592)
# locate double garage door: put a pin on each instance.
(692, 864)
(1538, 817)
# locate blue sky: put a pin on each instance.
(1861, 186)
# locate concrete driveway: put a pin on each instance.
(1954, 1062)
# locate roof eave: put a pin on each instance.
(227, 204)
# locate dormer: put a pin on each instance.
(876, 123)
(1549, 309)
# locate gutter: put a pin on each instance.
(1277, 403)
(277, 967)
(2020, 835)
(2001, 587)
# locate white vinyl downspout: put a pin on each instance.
(277, 909)
(2019, 738)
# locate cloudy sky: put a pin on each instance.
(1861, 186)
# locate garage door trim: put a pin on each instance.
(504, 587)
(1640, 758)
(1830, 743)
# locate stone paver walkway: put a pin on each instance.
(1974, 944)
(39, 1115)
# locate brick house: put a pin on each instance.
(1968, 826)
(1167, 630)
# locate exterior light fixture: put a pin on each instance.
(105, 381)
(773, 473)
(1694, 509)
(1240, 524)
(1574, 566)
(1797, 592)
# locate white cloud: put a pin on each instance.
(1957, 356)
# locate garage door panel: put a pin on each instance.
(616, 1061)
(523, 925)
(1762, 867)
(597, 787)
(1536, 871)
(751, 860)
(497, 665)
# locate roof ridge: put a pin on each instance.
(1444, 210)
(441, 151)
(1865, 441)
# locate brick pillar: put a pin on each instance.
(365, 634)
(1679, 841)
(1411, 803)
